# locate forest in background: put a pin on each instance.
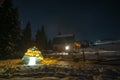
(14, 41)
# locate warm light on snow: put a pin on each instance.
(32, 61)
(32, 56)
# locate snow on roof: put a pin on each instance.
(65, 35)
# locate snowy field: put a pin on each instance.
(60, 70)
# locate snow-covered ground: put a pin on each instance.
(60, 70)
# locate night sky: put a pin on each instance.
(87, 19)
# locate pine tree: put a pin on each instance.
(49, 45)
(10, 28)
(27, 37)
(16, 31)
(41, 39)
(44, 38)
(38, 39)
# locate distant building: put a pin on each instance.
(103, 42)
(109, 45)
(65, 43)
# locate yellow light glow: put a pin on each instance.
(34, 53)
(49, 61)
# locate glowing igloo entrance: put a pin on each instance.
(32, 57)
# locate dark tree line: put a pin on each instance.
(14, 40)
(10, 30)
(41, 39)
(26, 40)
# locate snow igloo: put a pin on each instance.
(33, 56)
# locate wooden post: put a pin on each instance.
(83, 55)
